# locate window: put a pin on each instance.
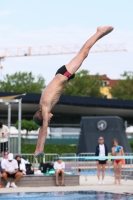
(105, 83)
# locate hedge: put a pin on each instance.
(131, 144)
(50, 148)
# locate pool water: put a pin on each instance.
(92, 172)
(79, 195)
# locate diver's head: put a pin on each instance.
(38, 118)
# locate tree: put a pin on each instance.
(22, 82)
(28, 125)
(84, 85)
(123, 89)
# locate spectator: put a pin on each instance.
(4, 131)
(21, 165)
(5, 157)
(10, 169)
(117, 151)
(24, 160)
(101, 150)
(59, 167)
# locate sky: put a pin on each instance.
(25, 23)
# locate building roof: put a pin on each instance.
(111, 82)
(69, 106)
(32, 98)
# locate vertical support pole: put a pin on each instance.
(19, 126)
(9, 123)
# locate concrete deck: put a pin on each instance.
(90, 184)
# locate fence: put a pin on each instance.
(86, 162)
(89, 166)
(70, 164)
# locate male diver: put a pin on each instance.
(53, 90)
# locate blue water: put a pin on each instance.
(92, 172)
(80, 195)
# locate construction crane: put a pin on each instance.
(56, 50)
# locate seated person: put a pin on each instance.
(21, 165)
(59, 167)
(10, 169)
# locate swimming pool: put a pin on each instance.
(92, 172)
(79, 195)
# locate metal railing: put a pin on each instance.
(89, 167)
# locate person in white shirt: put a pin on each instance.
(10, 169)
(101, 151)
(4, 131)
(59, 167)
(21, 165)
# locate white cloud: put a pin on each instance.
(5, 13)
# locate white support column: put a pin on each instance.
(9, 123)
(19, 125)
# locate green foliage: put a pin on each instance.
(29, 125)
(84, 85)
(22, 82)
(50, 148)
(131, 144)
(123, 89)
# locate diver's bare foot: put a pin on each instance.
(104, 30)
